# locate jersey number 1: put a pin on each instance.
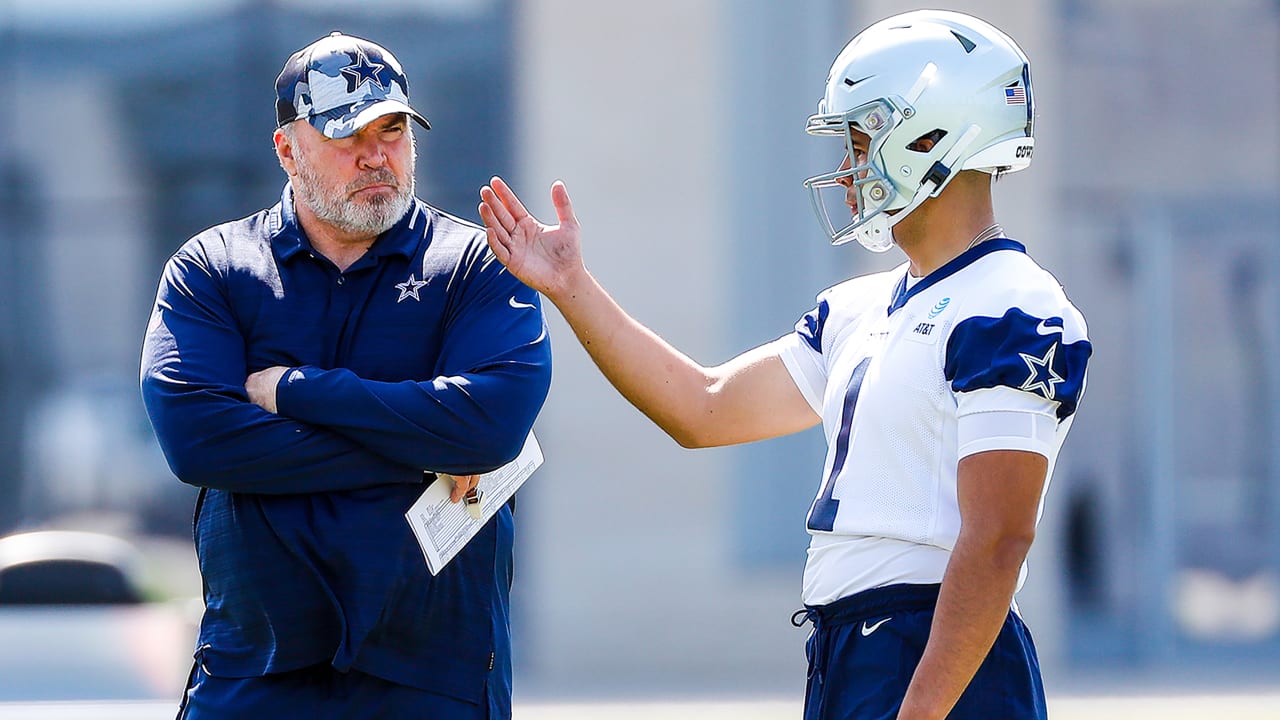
(823, 514)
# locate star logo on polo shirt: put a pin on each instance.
(409, 289)
(363, 71)
(1042, 377)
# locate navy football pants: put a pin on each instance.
(865, 647)
(317, 693)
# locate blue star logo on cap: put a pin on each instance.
(363, 71)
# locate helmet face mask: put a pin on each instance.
(875, 193)
(941, 75)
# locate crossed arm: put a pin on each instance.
(221, 426)
(261, 389)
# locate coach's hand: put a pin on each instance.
(462, 484)
(261, 387)
(546, 258)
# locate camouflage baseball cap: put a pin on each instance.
(341, 83)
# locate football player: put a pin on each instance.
(945, 387)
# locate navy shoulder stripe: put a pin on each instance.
(810, 326)
(1018, 351)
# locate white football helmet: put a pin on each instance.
(922, 74)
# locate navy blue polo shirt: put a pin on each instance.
(424, 355)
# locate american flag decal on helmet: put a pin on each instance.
(1015, 95)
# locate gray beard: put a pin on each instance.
(332, 207)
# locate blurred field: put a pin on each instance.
(1252, 706)
(1200, 707)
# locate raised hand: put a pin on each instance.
(544, 257)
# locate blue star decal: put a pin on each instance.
(1042, 377)
(363, 71)
(409, 289)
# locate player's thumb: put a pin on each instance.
(564, 206)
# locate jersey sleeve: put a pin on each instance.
(1002, 418)
(1030, 341)
(801, 353)
(475, 413)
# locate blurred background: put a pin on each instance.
(647, 571)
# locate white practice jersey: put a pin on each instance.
(985, 353)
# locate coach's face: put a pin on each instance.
(360, 184)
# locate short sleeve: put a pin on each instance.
(1001, 418)
(1044, 356)
(801, 353)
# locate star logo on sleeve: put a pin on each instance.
(363, 71)
(1042, 377)
(409, 289)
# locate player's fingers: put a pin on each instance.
(500, 251)
(496, 243)
(509, 199)
(498, 237)
(501, 214)
(486, 217)
(564, 206)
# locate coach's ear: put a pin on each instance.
(284, 152)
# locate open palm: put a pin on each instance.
(544, 257)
